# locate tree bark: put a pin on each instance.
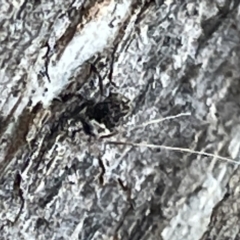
(81, 82)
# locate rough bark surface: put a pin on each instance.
(77, 77)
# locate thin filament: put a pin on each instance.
(177, 149)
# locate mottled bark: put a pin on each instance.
(78, 77)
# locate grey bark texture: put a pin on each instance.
(81, 83)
